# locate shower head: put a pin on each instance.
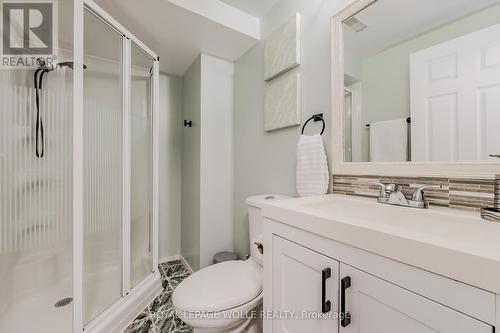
(69, 64)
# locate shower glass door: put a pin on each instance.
(102, 165)
(76, 147)
(141, 165)
(118, 89)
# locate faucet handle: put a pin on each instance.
(419, 195)
(390, 188)
(385, 190)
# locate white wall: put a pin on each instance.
(216, 197)
(170, 118)
(190, 214)
(265, 162)
(207, 161)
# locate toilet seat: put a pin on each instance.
(219, 287)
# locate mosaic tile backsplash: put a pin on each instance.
(471, 194)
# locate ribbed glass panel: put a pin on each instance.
(35, 205)
(141, 166)
(102, 166)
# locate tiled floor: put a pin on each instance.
(159, 316)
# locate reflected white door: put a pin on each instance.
(455, 98)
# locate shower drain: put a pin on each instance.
(63, 302)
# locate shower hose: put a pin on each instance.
(39, 135)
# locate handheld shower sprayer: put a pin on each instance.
(38, 80)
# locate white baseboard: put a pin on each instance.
(117, 317)
(176, 257)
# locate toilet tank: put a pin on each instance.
(255, 217)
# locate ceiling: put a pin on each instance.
(176, 34)
(390, 22)
(257, 8)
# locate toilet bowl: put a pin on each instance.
(227, 297)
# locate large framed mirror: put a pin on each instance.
(416, 88)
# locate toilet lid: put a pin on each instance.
(219, 287)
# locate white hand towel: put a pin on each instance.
(389, 141)
(312, 174)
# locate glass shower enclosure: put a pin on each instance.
(78, 164)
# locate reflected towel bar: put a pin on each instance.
(408, 120)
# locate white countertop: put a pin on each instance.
(454, 243)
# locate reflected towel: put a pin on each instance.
(389, 141)
(312, 174)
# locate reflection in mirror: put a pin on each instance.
(348, 125)
(422, 81)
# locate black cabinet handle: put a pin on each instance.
(345, 320)
(326, 306)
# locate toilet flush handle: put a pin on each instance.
(260, 247)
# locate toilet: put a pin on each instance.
(227, 297)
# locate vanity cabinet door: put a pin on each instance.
(304, 289)
(377, 306)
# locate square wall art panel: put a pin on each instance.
(283, 102)
(282, 49)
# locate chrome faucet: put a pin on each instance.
(391, 194)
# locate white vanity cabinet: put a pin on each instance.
(379, 295)
(376, 305)
(304, 282)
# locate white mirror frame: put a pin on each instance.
(460, 169)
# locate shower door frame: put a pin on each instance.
(133, 299)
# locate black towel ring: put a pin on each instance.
(316, 118)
